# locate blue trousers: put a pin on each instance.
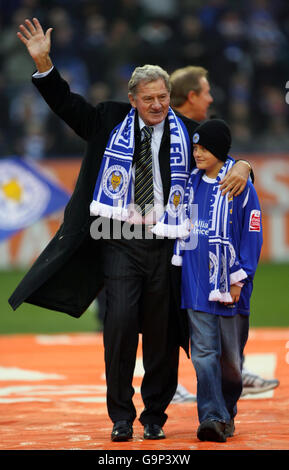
(217, 345)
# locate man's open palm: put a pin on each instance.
(32, 35)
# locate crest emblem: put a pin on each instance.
(175, 200)
(23, 196)
(196, 138)
(115, 182)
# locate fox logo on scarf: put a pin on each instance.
(115, 181)
(176, 199)
(113, 188)
(224, 267)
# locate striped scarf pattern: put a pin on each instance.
(113, 188)
(224, 264)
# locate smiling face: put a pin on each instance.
(152, 100)
(205, 160)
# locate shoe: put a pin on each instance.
(121, 431)
(253, 383)
(229, 428)
(182, 395)
(153, 431)
(211, 431)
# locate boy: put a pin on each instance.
(217, 279)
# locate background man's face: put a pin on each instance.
(202, 101)
(152, 100)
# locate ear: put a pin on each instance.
(191, 96)
(132, 100)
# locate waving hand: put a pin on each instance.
(37, 42)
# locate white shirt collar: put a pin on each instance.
(158, 128)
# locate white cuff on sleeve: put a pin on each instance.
(42, 74)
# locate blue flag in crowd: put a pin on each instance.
(26, 195)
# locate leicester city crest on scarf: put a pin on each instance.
(224, 268)
(115, 181)
(113, 189)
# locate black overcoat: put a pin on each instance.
(68, 275)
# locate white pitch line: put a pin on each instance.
(15, 373)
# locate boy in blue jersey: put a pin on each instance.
(219, 259)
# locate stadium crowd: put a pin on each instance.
(97, 44)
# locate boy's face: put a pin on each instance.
(205, 160)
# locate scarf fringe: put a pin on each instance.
(118, 157)
(172, 231)
(177, 260)
(217, 296)
(111, 212)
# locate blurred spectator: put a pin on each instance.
(160, 8)
(244, 45)
(27, 120)
(269, 49)
(4, 118)
(16, 66)
(131, 11)
(94, 47)
(61, 141)
(228, 53)
(33, 144)
(98, 92)
(192, 42)
(121, 48)
(157, 45)
(210, 13)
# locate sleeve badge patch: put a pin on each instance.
(255, 221)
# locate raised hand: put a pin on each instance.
(37, 42)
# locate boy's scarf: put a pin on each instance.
(224, 265)
(113, 189)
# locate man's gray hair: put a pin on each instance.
(148, 73)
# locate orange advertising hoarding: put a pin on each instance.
(271, 183)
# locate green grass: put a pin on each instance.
(32, 319)
(270, 301)
(270, 306)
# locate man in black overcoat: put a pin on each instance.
(136, 272)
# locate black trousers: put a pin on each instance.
(138, 300)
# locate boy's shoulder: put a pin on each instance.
(247, 193)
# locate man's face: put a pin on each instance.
(201, 101)
(152, 100)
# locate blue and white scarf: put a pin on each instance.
(113, 189)
(224, 264)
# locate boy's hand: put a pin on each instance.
(236, 179)
(235, 292)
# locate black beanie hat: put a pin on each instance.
(215, 136)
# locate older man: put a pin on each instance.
(138, 153)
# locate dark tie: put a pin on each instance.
(144, 190)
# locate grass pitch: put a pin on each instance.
(269, 306)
